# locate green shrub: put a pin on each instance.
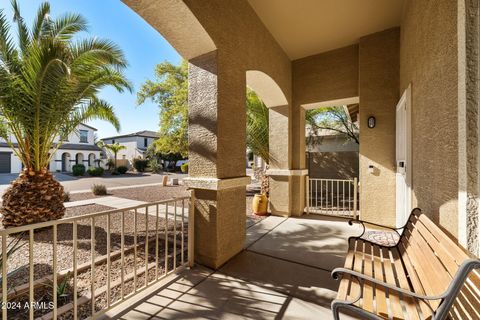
(154, 165)
(99, 190)
(122, 169)
(140, 164)
(66, 196)
(184, 168)
(78, 170)
(95, 172)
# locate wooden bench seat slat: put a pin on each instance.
(379, 274)
(396, 311)
(354, 291)
(410, 304)
(368, 270)
(467, 301)
(345, 282)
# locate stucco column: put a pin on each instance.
(287, 165)
(217, 123)
(279, 149)
(298, 166)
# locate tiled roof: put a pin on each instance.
(144, 133)
(69, 146)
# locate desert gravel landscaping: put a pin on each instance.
(18, 267)
(147, 194)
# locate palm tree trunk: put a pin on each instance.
(32, 198)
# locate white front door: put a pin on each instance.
(403, 158)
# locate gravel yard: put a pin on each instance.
(147, 194)
(18, 263)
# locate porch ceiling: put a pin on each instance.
(308, 27)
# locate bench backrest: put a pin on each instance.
(432, 259)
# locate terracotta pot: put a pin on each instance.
(260, 204)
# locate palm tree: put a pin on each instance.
(115, 148)
(49, 84)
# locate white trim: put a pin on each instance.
(406, 100)
(287, 172)
(215, 183)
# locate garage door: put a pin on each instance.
(5, 163)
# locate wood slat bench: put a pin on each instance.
(425, 275)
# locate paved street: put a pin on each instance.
(75, 184)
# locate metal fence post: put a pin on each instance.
(355, 192)
(191, 233)
(307, 191)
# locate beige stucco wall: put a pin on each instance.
(327, 76)
(378, 88)
(429, 61)
(333, 165)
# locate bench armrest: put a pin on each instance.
(364, 223)
(364, 229)
(362, 278)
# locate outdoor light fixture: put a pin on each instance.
(371, 122)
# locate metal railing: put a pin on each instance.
(130, 249)
(336, 197)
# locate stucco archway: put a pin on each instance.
(65, 162)
(177, 24)
(91, 159)
(79, 158)
(266, 88)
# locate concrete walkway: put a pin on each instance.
(283, 273)
(84, 184)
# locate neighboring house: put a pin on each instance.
(136, 144)
(79, 148)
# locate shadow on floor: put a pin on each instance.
(274, 278)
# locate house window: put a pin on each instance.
(145, 142)
(113, 141)
(84, 136)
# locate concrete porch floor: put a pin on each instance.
(283, 273)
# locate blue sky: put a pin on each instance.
(144, 47)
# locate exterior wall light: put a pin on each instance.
(371, 122)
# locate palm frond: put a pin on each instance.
(23, 33)
(66, 26)
(40, 20)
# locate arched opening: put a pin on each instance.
(267, 148)
(65, 162)
(91, 160)
(79, 158)
(266, 88)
